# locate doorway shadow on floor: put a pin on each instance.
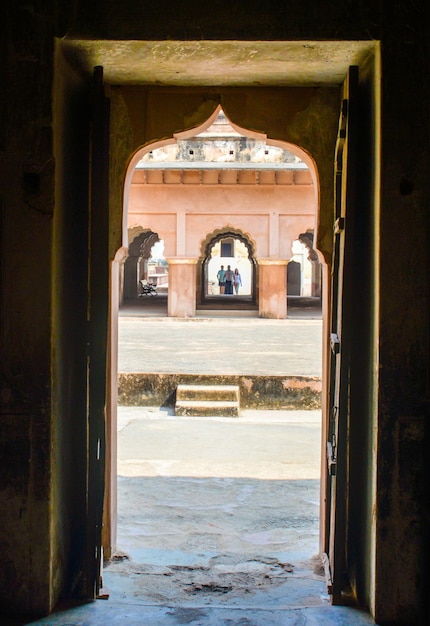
(191, 541)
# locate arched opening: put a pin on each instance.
(223, 249)
(307, 239)
(304, 275)
(136, 265)
(226, 180)
(158, 271)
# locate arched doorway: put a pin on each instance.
(223, 179)
(304, 273)
(316, 280)
(136, 263)
(228, 251)
(269, 271)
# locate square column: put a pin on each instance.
(272, 288)
(181, 298)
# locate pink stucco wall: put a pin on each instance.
(270, 208)
(186, 208)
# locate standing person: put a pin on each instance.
(237, 281)
(221, 279)
(229, 275)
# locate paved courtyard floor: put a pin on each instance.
(218, 525)
(220, 345)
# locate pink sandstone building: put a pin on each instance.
(214, 187)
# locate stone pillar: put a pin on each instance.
(142, 272)
(181, 298)
(272, 288)
(316, 278)
(130, 277)
(294, 279)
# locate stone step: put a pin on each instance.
(208, 392)
(205, 400)
(203, 408)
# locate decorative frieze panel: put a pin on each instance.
(221, 176)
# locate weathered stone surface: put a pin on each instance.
(256, 392)
(203, 408)
(207, 392)
(201, 400)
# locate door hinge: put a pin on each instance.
(334, 343)
(327, 572)
(339, 225)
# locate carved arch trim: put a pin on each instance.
(205, 254)
(222, 233)
(142, 242)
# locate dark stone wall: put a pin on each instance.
(404, 309)
(244, 20)
(27, 174)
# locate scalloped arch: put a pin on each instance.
(227, 231)
(142, 242)
(205, 254)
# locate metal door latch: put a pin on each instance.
(331, 459)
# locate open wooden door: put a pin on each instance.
(340, 343)
(97, 314)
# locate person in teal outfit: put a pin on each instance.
(221, 279)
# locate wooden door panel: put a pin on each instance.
(97, 314)
(340, 337)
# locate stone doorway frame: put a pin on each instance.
(324, 233)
